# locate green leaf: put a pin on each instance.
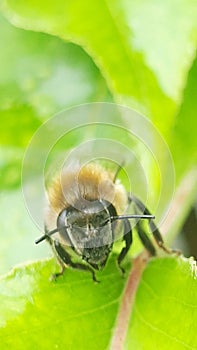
(57, 313)
(143, 49)
(18, 232)
(73, 312)
(31, 69)
(40, 75)
(183, 139)
(165, 309)
(18, 123)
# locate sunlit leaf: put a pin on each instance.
(183, 139)
(75, 312)
(165, 309)
(143, 49)
(40, 75)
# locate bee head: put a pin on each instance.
(90, 231)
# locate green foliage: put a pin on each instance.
(165, 307)
(75, 312)
(140, 54)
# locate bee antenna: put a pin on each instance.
(48, 234)
(120, 166)
(132, 216)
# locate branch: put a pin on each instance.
(128, 299)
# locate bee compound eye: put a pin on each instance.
(61, 219)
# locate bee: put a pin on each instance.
(86, 205)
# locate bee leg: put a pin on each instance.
(155, 231)
(145, 239)
(128, 238)
(65, 258)
(55, 275)
(84, 268)
(159, 240)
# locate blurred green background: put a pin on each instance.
(57, 55)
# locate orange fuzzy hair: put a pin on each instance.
(90, 182)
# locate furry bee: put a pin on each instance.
(86, 205)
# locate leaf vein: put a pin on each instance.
(156, 329)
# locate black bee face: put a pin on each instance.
(98, 246)
(89, 232)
